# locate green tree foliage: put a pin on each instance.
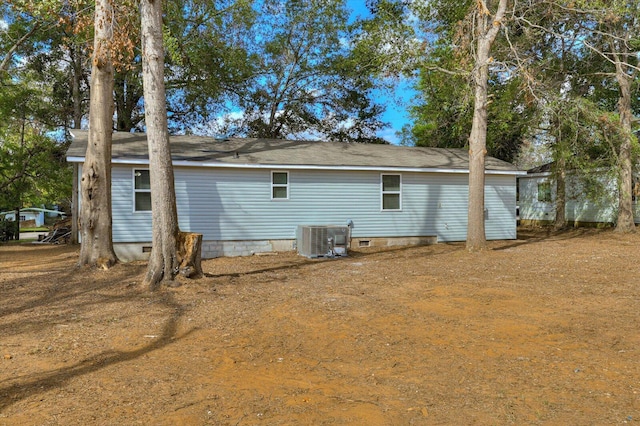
(60, 59)
(209, 64)
(306, 81)
(33, 106)
(387, 44)
(288, 68)
(33, 169)
(443, 111)
(588, 54)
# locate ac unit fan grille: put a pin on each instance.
(313, 241)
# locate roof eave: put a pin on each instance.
(210, 164)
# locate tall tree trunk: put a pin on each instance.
(76, 93)
(625, 202)
(122, 124)
(560, 170)
(486, 31)
(561, 193)
(17, 222)
(127, 96)
(163, 263)
(95, 214)
(74, 205)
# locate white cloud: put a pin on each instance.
(221, 126)
(389, 135)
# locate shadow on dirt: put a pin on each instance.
(28, 386)
(533, 235)
(285, 267)
(372, 254)
(73, 291)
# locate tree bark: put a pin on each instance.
(16, 236)
(74, 206)
(486, 31)
(625, 221)
(190, 254)
(163, 262)
(95, 213)
(127, 93)
(560, 172)
(76, 80)
(561, 193)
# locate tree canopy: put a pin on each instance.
(562, 77)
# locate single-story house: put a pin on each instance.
(34, 214)
(251, 195)
(599, 206)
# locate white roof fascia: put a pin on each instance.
(33, 209)
(186, 163)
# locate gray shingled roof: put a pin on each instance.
(545, 168)
(132, 147)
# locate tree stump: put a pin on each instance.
(190, 254)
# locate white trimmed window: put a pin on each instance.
(391, 192)
(141, 191)
(279, 185)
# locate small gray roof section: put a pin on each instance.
(33, 209)
(238, 152)
(545, 168)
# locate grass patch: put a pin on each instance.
(17, 242)
(39, 229)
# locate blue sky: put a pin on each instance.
(396, 113)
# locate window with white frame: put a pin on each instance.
(391, 192)
(279, 185)
(141, 190)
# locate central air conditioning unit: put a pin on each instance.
(322, 240)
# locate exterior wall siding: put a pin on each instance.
(530, 208)
(236, 205)
(579, 208)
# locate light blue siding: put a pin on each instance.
(235, 204)
(530, 207)
(500, 202)
(578, 206)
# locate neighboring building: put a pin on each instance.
(537, 199)
(250, 195)
(34, 214)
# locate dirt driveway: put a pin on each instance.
(542, 330)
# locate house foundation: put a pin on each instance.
(129, 252)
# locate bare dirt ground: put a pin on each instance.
(542, 330)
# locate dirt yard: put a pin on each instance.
(542, 330)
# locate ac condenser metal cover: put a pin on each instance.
(322, 240)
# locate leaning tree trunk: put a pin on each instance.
(625, 202)
(486, 32)
(95, 213)
(172, 251)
